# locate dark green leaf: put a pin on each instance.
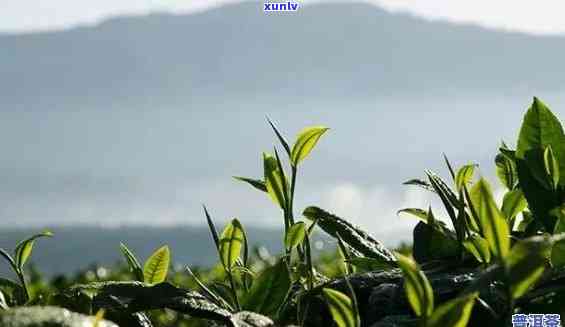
(132, 261)
(212, 228)
(269, 290)
(280, 137)
(256, 183)
(350, 234)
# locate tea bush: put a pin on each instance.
(479, 265)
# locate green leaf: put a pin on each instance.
(367, 264)
(551, 166)
(539, 130)
(295, 235)
(8, 258)
(350, 234)
(416, 286)
(269, 290)
(478, 247)
(24, 248)
(526, 263)
(256, 183)
(280, 137)
(133, 263)
(513, 203)
(218, 300)
(212, 228)
(231, 242)
(342, 308)
(305, 142)
(156, 267)
(464, 176)
(275, 180)
(558, 250)
(421, 214)
(506, 170)
(454, 313)
(493, 225)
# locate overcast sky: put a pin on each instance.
(541, 16)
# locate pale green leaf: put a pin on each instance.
(157, 266)
(295, 235)
(454, 313)
(416, 286)
(479, 248)
(231, 242)
(305, 142)
(551, 166)
(275, 180)
(464, 176)
(513, 203)
(341, 308)
(493, 225)
(24, 248)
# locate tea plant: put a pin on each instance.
(478, 265)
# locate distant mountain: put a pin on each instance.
(330, 50)
(74, 248)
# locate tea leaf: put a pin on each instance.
(513, 203)
(280, 137)
(416, 286)
(157, 265)
(275, 180)
(493, 226)
(454, 313)
(526, 263)
(464, 176)
(478, 247)
(8, 258)
(551, 166)
(24, 248)
(256, 183)
(212, 227)
(341, 308)
(350, 234)
(231, 242)
(506, 170)
(295, 235)
(211, 295)
(421, 214)
(269, 290)
(305, 142)
(132, 261)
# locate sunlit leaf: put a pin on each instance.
(506, 170)
(275, 180)
(454, 313)
(493, 225)
(305, 142)
(478, 247)
(526, 263)
(24, 248)
(416, 286)
(421, 214)
(231, 242)
(295, 235)
(513, 203)
(551, 166)
(341, 308)
(157, 266)
(464, 176)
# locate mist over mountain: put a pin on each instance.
(139, 120)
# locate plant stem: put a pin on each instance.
(22, 279)
(232, 285)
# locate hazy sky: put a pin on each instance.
(542, 16)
